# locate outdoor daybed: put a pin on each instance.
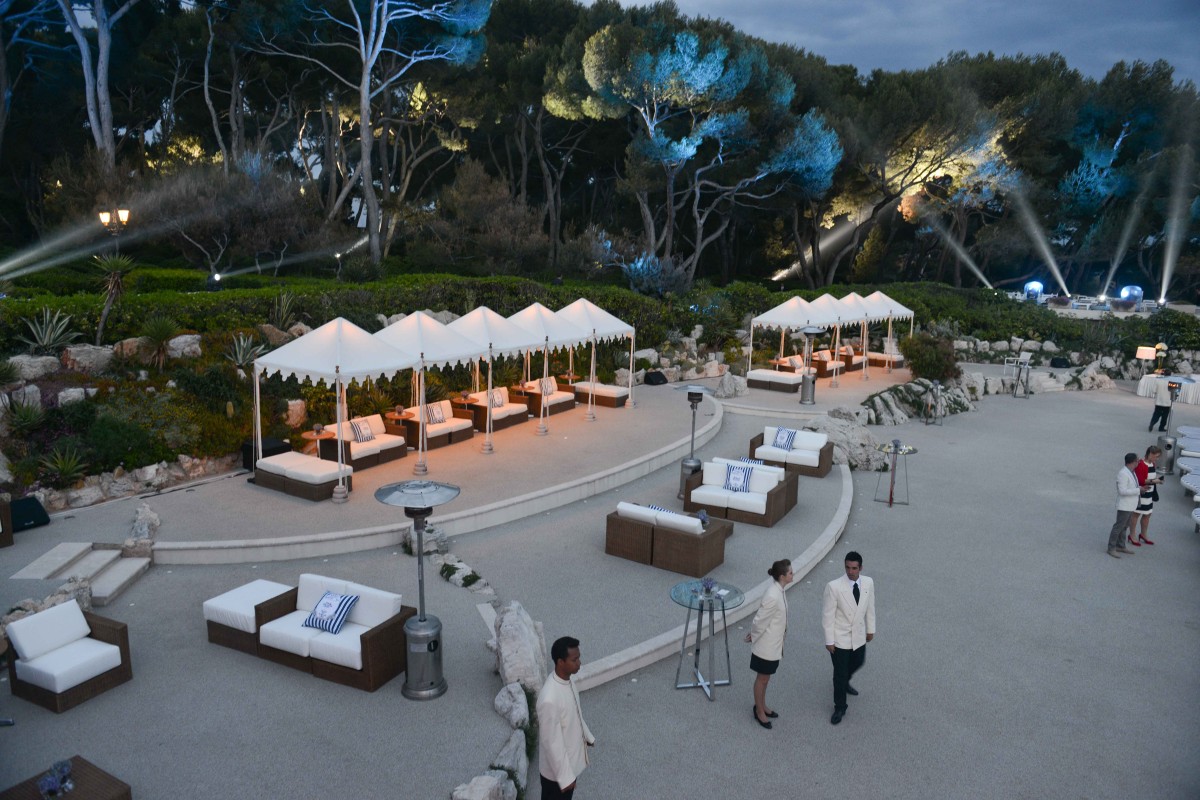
(740, 493)
(505, 412)
(557, 398)
(368, 650)
(666, 539)
(445, 424)
(365, 442)
(606, 394)
(65, 656)
(775, 380)
(301, 476)
(806, 452)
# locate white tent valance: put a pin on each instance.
(791, 314)
(435, 344)
(338, 350)
(487, 329)
(595, 320)
(894, 309)
(551, 330)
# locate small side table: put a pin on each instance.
(311, 438)
(90, 781)
(897, 451)
(690, 594)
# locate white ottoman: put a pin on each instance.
(230, 616)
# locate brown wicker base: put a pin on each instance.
(608, 401)
(687, 553)
(232, 637)
(306, 491)
(90, 781)
(628, 538)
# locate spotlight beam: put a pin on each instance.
(1041, 244)
(962, 254)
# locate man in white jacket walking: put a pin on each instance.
(848, 617)
(563, 736)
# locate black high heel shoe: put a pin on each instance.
(754, 713)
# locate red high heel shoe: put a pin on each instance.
(1147, 541)
(1133, 541)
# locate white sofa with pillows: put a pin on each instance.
(739, 492)
(337, 630)
(504, 411)
(806, 452)
(547, 390)
(605, 394)
(365, 442)
(444, 424)
(666, 539)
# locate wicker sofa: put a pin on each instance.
(301, 476)
(561, 399)
(824, 363)
(666, 539)
(383, 447)
(774, 380)
(458, 425)
(512, 411)
(370, 649)
(65, 656)
(850, 357)
(811, 453)
(762, 502)
(605, 394)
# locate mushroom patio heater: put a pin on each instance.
(691, 465)
(423, 678)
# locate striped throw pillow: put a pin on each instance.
(796, 361)
(783, 438)
(362, 430)
(656, 508)
(330, 612)
(745, 460)
(548, 386)
(737, 479)
(497, 398)
(434, 414)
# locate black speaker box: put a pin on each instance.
(1058, 362)
(271, 447)
(28, 513)
(655, 378)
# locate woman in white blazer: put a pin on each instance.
(767, 633)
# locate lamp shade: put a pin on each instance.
(1145, 353)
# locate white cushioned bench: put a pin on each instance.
(505, 415)
(774, 380)
(300, 475)
(606, 395)
(811, 453)
(384, 446)
(230, 617)
(763, 501)
(457, 424)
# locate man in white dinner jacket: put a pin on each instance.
(848, 617)
(563, 736)
(1128, 491)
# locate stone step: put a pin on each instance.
(91, 564)
(57, 559)
(117, 578)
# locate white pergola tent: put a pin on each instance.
(890, 310)
(603, 326)
(792, 314)
(552, 332)
(498, 337)
(436, 346)
(338, 352)
(866, 313)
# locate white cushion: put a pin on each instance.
(376, 423)
(289, 634)
(48, 630)
(343, 648)
(804, 458)
(602, 389)
(762, 482)
(559, 397)
(679, 522)
(449, 426)
(374, 605)
(316, 470)
(638, 513)
(760, 374)
(752, 502)
(779, 472)
(235, 608)
(388, 441)
(770, 453)
(312, 587)
(363, 449)
(714, 474)
(711, 495)
(809, 440)
(278, 464)
(69, 665)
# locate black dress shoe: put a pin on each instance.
(850, 690)
(766, 725)
(837, 716)
(773, 714)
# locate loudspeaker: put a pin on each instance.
(28, 513)
(270, 447)
(1058, 362)
(655, 378)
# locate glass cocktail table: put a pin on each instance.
(691, 595)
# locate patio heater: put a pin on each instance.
(423, 678)
(691, 465)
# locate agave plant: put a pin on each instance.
(8, 372)
(25, 417)
(63, 466)
(114, 269)
(243, 350)
(49, 332)
(283, 313)
(159, 330)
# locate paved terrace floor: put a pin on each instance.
(1014, 658)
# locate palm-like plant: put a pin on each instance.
(159, 331)
(25, 417)
(283, 314)
(243, 350)
(114, 269)
(48, 332)
(63, 466)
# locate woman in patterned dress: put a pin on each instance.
(1148, 479)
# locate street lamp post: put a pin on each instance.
(423, 679)
(115, 221)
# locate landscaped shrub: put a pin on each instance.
(113, 442)
(930, 358)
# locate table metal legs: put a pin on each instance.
(706, 684)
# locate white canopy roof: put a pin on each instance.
(486, 328)
(549, 328)
(591, 317)
(434, 343)
(827, 310)
(792, 313)
(893, 309)
(337, 349)
(863, 310)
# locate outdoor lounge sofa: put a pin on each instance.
(824, 363)
(792, 478)
(65, 656)
(457, 424)
(890, 356)
(850, 357)
(301, 476)
(557, 401)
(791, 364)
(666, 539)
(507, 413)
(811, 453)
(774, 380)
(761, 501)
(369, 650)
(383, 446)
(606, 394)
(233, 618)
